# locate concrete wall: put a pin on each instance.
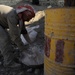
(9, 2)
(60, 3)
(50, 2)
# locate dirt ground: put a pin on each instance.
(39, 42)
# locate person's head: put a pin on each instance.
(25, 12)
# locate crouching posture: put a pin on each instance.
(10, 18)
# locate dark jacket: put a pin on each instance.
(9, 19)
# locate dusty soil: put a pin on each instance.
(39, 42)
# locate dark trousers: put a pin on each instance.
(6, 47)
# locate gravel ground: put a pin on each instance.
(39, 42)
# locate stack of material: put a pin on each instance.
(35, 55)
(36, 50)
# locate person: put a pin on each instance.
(69, 3)
(10, 18)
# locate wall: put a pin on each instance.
(50, 2)
(9, 2)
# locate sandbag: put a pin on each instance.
(38, 16)
(32, 34)
(35, 55)
(34, 58)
